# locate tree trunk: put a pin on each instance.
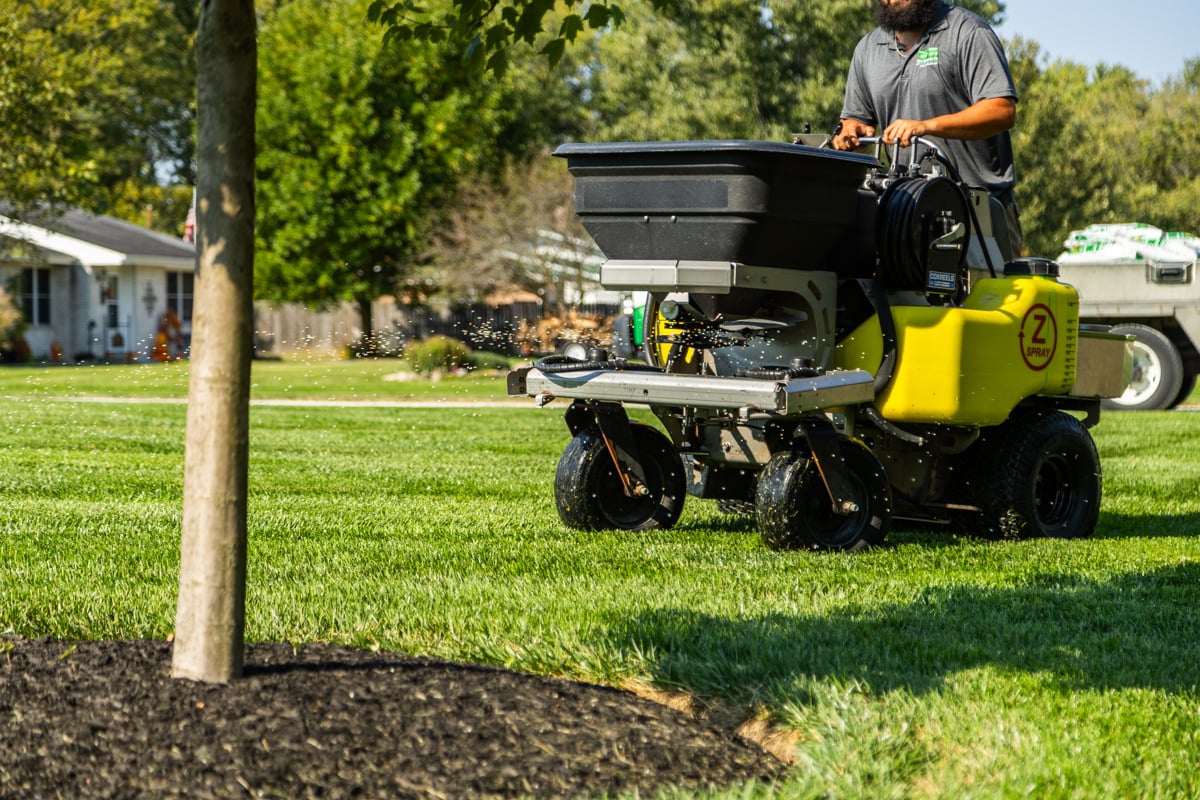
(210, 616)
(368, 343)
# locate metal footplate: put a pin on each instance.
(779, 396)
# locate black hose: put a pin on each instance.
(560, 363)
(877, 419)
(887, 330)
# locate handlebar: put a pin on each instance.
(895, 154)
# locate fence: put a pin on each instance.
(292, 330)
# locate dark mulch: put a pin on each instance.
(105, 719)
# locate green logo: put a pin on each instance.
(927, 57)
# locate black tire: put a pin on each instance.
(588, 491)
(794, 511)
(1185, 390)
(1157, 371)
(1038, 475)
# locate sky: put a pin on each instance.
(1151, 38)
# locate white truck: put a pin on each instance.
(1142, 281)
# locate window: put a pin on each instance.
(179, 294)
(35, 295)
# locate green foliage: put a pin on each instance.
(437, 353)
(1101, 146)
(91, 94)
(935, 666)
(361, 146)
(486, 29)
(653, 77)
(782, 66)
(12, 323)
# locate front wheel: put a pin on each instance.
(794, 509)
(1157, 378)
(590, 495)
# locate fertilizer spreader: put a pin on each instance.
(831, 340)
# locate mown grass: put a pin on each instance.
(327, 380)
(932, 667)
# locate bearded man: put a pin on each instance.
(937, 71)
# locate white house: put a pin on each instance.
(97, 287)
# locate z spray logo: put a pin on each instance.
(927, 57)
(1038, 338)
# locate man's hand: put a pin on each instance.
(904, 130)
(848, 132)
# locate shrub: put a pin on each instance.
(485, 359)
(436, 352)
(12, 324)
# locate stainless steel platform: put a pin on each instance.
(784, 397)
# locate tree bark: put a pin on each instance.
(210, 615)
(368, 342)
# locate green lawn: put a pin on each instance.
(341, 380)
(931, 667)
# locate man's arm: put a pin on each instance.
(979, 121)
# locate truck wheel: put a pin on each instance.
(793, 505)
(590, 496)
(1157, 371)
(1045, 475)
(1186, 388)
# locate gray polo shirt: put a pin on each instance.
(958, 62)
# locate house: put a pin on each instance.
(95, 287)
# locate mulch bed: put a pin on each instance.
(105, 719)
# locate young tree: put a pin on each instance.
(210, 616)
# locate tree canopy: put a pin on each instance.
(361, 146)
(94, 95)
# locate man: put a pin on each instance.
(938, 71)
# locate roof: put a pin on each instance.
(97, 239)
(116, 234)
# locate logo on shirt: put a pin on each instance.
(927, 57)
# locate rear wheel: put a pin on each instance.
(1157, 371)
(794, 510)
(1185, 390)
(1037, 475)
(590, 495)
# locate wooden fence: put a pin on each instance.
(293, 330)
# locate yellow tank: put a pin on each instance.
(1012, 338)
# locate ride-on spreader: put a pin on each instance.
(831, 340)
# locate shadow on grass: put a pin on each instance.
(1135, 631)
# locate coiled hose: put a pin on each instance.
(559, 363)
